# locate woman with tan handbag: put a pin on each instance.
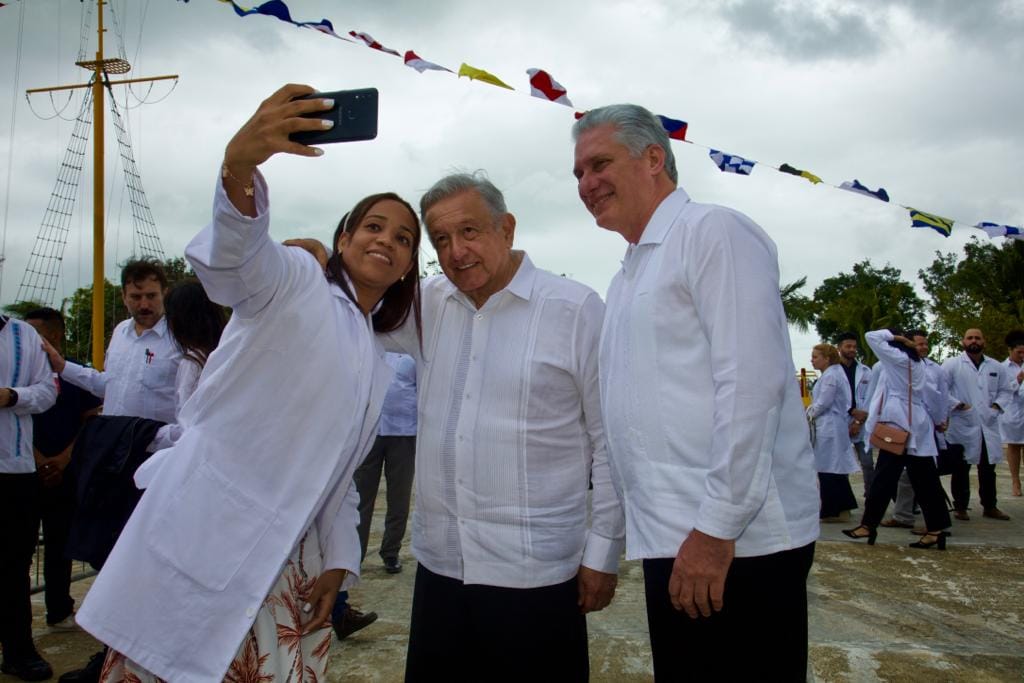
(903, 431)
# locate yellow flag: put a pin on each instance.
(475, 74)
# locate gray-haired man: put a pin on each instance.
(509, 437)
(709, 440)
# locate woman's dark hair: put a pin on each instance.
(194, 321)
(402, 296)
(909, 350)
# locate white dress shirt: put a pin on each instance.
(830, 408)
(978, 387)
(510, 434)
(861, 395)
(1011, 422)
(900, 377)
(398, 416)
(24, 368)
(287, 409)
(705, 424)
(139, 372)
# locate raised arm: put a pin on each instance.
(234, 256)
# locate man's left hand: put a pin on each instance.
(313, 246)
(596, 589)
(321, 599)
(697, 584)
(854, 429)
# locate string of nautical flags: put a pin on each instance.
(543, 85)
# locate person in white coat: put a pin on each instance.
(905, 399)
(858, 376)
(983, 389)
(833, 449)
(231, 562)
(1011, 423)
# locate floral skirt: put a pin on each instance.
(274, 649)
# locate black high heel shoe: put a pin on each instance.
(871, 534)
(938, 542)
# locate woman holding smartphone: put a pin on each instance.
(232, 561)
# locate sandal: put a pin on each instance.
(855, 533)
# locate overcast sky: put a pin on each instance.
(923, 98)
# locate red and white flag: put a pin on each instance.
(415, 61)
(370, 42)
(542, 85)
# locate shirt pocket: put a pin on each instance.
(159, 373)
(209, 528)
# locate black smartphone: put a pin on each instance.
(354, 114)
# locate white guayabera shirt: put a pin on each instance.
(705, 425)
(139, 376)
(510, 434)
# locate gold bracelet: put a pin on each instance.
(250, 189)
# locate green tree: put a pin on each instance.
(801, 311)
(866, 299)
(984, 290)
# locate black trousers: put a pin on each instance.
(759, 635)
(466, 632)
(57, 504)
(396, 455)
(960, 483)
(19, 532)
(924, 477)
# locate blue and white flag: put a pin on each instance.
(996, 230)
(856, 186)
(730, 163)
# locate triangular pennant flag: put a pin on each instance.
(786, 168)
(941, 225)
(998, 230)
(370, 42)
(475, 74)
(273, 8)
(579, 115)
(323, 26)
(856, 186)
(542, 85)
(415, 61)
(675, 128)
(730, 163)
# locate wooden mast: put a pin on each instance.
(102, 68)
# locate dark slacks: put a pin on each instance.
(19, 532)
(463, 632)
(760, 634)
(56, 505)
(836, 493)
(396, 455)
(924, 477)
(960, 483)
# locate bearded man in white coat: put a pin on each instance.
(982, 389)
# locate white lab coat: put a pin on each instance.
(288, 408)
(862, 382)
(889, 403)
(1011, 422)
(979, 388)
(830, 408)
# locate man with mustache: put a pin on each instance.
(982, 388)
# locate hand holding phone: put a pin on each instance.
(354, 115)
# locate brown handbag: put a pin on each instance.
(888, 437)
